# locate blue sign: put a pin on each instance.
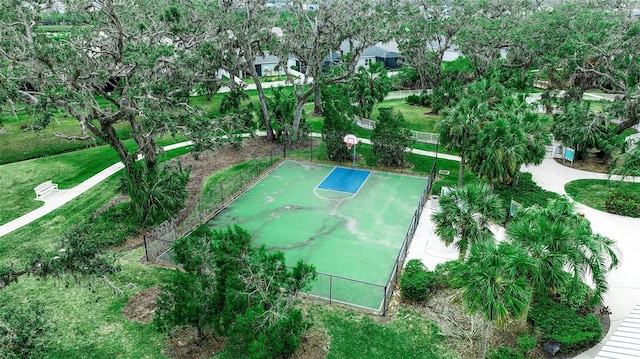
(569, 153)
(515, 206)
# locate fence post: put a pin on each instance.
(330, 287)
(384, 301)
(146, 251)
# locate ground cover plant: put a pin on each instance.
(564, 325)
(607, 195)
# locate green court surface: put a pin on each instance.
(356, 236)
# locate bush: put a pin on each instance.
(526, 192)
(416, 281)
(413, 100)
(442, 274)
(575, 295)
(390, 138)
(504, 353)
(623, 204)
(561, 323)
(526, 343)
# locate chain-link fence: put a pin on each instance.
(212, 200)
(358, 294)
(397, 267)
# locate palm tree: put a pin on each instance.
(510, 137)
(465, 215)
(563, 248)
(457, 130)
(492, 282)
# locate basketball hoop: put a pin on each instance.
(351, 140)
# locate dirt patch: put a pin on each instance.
(209, 162)
(315, 345)
(184, 343)
(591, 164)
(142, 306)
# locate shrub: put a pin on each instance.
(623, 204)
(561, 323)
(442, 274)
(526, 343)
(504, 353)
(575, 295)
(416, 281)
(526, 192)
(413, 100)
(390, 138)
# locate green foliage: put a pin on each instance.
(493, 281)
(504, 353)
(563, 247)
(232, 289)
(369, 86)
(232, 100)
(526, 343)
(407, 78)
(282, 107)
(82, 255)
(390, 138)
(437, 186)
(444, 274)
(624, 204)
(582, 129)
(414, 100)
(423, 99)
(561, 323)
(525, 192)
(24, 330)
(248, 339)
(446, 95)
(465, 215)
(156, 195)
(575, 295)
(416, 281)
(338, 122)
(83, 251)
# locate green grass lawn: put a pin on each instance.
(418, 117)
(408, 335)
(593, 192)
(67, 170)
(86, 319)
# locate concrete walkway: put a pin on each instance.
(56, 199)
(624, 285)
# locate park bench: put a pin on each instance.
(44, 188)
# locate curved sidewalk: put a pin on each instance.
(56, 199)
(624, 286)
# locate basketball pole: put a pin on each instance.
(354, 155)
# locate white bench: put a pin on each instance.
(44, 188)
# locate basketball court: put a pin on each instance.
(349, 223)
